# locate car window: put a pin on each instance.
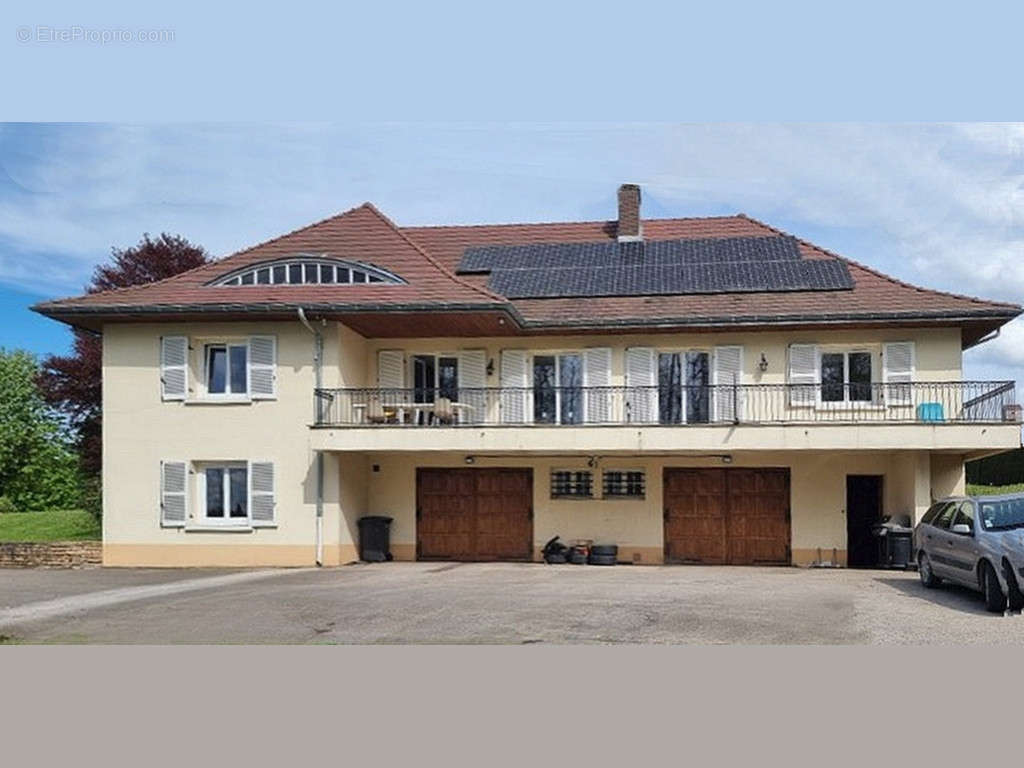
(1002, 514)
(965, 515)
(933, 510)
(945, 517)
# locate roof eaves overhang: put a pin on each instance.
(76, 315)
(81, 315)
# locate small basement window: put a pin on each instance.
(624, 483)
(572, 484)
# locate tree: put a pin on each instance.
(73, 383)
(38, 469)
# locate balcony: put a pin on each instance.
(920, 403)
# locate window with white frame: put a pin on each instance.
(558, 388)
(846, 376)
(572, 484)
(224, 493)
(307, 270)
(619, 483)
(226, 368)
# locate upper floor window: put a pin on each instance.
(846, 377)
(308, 270)
(227, 369)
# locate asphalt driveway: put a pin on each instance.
(491, 603)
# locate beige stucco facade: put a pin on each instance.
(373, 470)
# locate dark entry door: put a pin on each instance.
(734, 516)
(474, 514)
(863, 509)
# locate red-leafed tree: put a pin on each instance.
(73, 383)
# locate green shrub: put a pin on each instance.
(6, 505)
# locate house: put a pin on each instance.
(693, 390)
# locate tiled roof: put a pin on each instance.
(362, 234)
(428, 258)
(874, 295)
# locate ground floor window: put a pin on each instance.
(572, 484)
(225, 493)
(623, 483)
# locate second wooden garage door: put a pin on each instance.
(734, 516)
(474, 514)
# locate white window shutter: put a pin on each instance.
(472, 381)
(173, 493)
(898, 361)
(804, 375)
(597, 373)
(515, 381)
(642, 384)
(726, 370)
(262, 506)
(391, 369)
(262, 367)
(173, 367)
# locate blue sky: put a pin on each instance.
(937, 205)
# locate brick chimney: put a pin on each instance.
(631, 229)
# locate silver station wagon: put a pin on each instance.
(975, 541)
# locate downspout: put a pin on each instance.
(318, 376)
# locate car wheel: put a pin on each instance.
(924, 570)
(1014, 598)
(995, 600)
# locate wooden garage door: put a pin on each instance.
(474, 514)
(734, 516)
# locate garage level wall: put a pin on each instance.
(817, 482)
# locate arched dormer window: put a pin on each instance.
(307, 270)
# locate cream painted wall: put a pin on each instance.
(938, 353)
(140, 430)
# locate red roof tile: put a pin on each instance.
(426, 257)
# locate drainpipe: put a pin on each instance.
(318, 353)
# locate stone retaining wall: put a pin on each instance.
(56, 554)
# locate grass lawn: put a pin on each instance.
(52, 525)
(989, 490)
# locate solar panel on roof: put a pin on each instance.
(611, 253)
(660, 267)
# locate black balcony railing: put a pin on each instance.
(976, 402)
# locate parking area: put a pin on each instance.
(492, 603)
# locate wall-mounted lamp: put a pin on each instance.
(763, 364)
(470, 459)
(726, 458)
(490, 367)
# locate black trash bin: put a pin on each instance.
(895, 541)
(374, 539)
